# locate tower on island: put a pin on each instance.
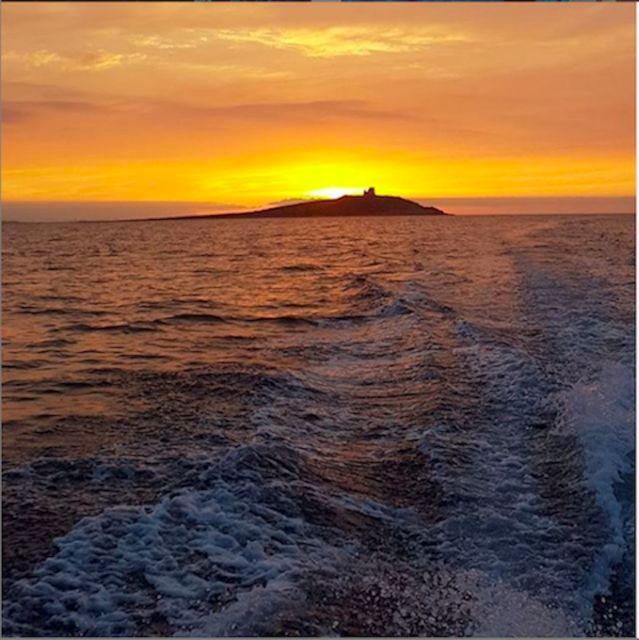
(370, 192)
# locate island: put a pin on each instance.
(368, 204)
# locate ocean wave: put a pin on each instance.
(200, 560)
(239, 551)
(204, 318)
(302, 268)
(117, 327)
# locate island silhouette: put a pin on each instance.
(368, 204)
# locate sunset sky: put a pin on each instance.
(493, 108)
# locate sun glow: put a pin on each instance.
(332, 193)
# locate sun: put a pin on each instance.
(331, 193)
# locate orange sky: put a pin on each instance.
(242, 105)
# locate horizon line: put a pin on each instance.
(35, 211)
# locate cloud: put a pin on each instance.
(159, 42)
(39, 90)
(340, 41)
(20, 110)
(317, 110)
(16, 111)
(35, 59)
(13, 113)
(91, 61)
(106, 60)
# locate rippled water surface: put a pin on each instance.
(349, 426)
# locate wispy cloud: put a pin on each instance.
(106, 60)
(90, 61)
(35, 59)
(340, 41)
(317, 110)
(18, 111)
(189, 41)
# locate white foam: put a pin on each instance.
(601, 414)
(495, 520)
(500, 611)
(205, 561)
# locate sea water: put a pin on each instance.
(368, 426)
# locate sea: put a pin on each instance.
(364, 426)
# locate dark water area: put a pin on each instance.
(367, 426)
